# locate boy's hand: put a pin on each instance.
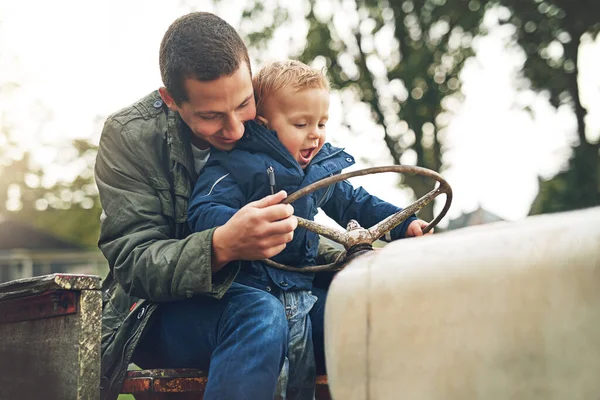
(416, 228)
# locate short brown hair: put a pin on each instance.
(199, 46)
(277, 75)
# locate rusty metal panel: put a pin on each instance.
(154, 382)
(180, 385)
(137, 385)
(165, 381)
(167, 373)
(46, 305)
(322, 388)
(48, 353)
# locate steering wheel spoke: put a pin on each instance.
(337, 235)
(391, 222)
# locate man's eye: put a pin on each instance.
(299, 125)
(207, 117)
(321, 125)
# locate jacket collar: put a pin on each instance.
(259, 139)
(178, 138)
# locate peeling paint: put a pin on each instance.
(46, 283)
(154, 383)
(90, 323)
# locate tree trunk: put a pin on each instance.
(585, 161)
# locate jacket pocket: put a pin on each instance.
(165, 196)
(166, 202)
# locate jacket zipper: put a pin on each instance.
(271, 177)
(140, 315)
(285, 156)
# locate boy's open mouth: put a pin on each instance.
(306, 155)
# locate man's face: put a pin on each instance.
(216, 110)
(299, 117)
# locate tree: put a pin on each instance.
(551, 33)
(409, 86)
(402, 58)
(67, 208)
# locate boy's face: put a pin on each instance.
(216, 110)
(299, 117)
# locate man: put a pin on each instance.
(169, 299)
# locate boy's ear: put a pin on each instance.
(262, 121)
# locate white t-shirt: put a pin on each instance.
(200, 158)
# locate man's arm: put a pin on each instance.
(138, 239)
(217, 197)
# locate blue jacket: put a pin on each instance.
(232, 179)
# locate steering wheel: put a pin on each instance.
(356, 239)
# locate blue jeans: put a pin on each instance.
(241, 339)
(297, 378)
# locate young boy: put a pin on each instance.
(285, 149)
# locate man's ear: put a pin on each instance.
(262, 121)
(168, 99)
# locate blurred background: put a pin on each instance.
(502, 97)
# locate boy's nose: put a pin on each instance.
(314, 133)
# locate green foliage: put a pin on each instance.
(406, 85)
(401, 58)
(68, 209)
(550, 32)
(573, 188)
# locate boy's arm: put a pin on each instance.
(348, 203)
(215, 199)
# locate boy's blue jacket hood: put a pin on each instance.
(232, 179)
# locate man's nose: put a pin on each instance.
(234, 129)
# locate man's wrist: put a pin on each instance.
(219, 254)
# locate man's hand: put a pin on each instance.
(416, 228)
(259, 230)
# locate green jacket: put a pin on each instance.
(145, 175)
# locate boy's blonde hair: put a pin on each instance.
(278, 75)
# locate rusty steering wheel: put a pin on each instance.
(356, 239)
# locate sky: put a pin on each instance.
(77, 61)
